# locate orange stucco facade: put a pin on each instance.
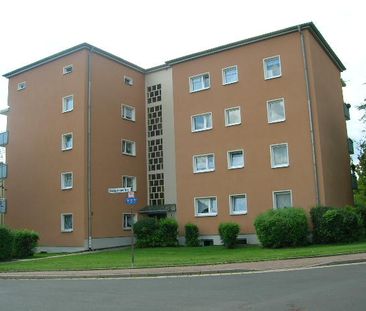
(165, 144)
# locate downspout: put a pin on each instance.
(311, 121)
(89, 179)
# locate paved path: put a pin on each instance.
(190, 270)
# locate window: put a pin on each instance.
(128, 147)
(67, 141)
(129, 182)
(128, 112)
(199, 82)
(128, 81)
(22, 86)
(282, 199)
(205, 206)
(279, 155)
(67, 69)
(230, 75)
(202, 122)
(272, 67)
(203, 163)
(232, 116)
(68, 103)
(238, 204)
(67, 224)
(66, 181)
(235, 159)
(128, 221)
(276, 110)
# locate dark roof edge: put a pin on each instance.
(157, 68)
(69, 51)
(315, 32)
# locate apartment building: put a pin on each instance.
(219, 135)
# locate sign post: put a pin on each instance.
(131, 200)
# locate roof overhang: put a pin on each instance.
(158, 209)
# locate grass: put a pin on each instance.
(179, 256)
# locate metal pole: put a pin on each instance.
(132, 242)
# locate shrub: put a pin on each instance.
(316, 215)
(168, 228)
(6, 243)
(25, 242)
(361, 210)
(147, 233)
(192, 234)
(282, 228)
(229, 234)
(341, 225)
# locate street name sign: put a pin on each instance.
(119, 190)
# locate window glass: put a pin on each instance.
(232, 116)
(206, 206)
(236, 159)
(238, 204)
(283, 199)
(276, 110)
(230, 75)
(199, 82)
(202, 122)
(279, 154)
(204, 163)
(67, 222)
(272, 67)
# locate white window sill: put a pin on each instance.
(235, 167)
(281, 166)
(127, 119)
(67, 231)
(232, 124)
(206, 215)
(233, 82)
(207, 171)
(65, 111)
(68, 188)
(129, 154)
(238, 213)
(277, 121)
(207, 88)
(274, 77)
(201, 130)
(66, 149)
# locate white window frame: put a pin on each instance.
(68, 69)
(202, 82)
(134, 216)
(133, 154)
(210, 213)
(267, 77)
(134, 182)
(63, 222)
(268, 110)
(64, 103)
(123, 115)
(227, 116)
(206, 127)
(207, 169)
(229, 166)
(63, 141)
(224, 76)
(21, 86)
(232, 212)
(281, 192)
(273, 165)
(63, 187)
(128, 80)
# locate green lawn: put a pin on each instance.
(158, 257)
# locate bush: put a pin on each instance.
(192, 234)
(6, 243)
(317, 214)
(168, 231)
(229, 234)
(361, 210)
(282, 228)
(341, 225)
(25, 242)
(147, 233)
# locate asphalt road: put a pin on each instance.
(331, 288)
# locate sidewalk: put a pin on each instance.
(190, 270)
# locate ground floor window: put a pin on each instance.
(128, 221)
(238, 204)
(206, 206)
(282, 199)
(67, 223)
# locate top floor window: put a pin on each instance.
(128, 81)
(199, 82)
(67, 69)
(272, 67)
(230, 75)
(22, 86)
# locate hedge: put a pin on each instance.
(229, 234)
(334, 225)
(153, 233)
(25, 242)
(6, 243)
(282, 228)
(191, 235)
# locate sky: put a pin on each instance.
(148, 33)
